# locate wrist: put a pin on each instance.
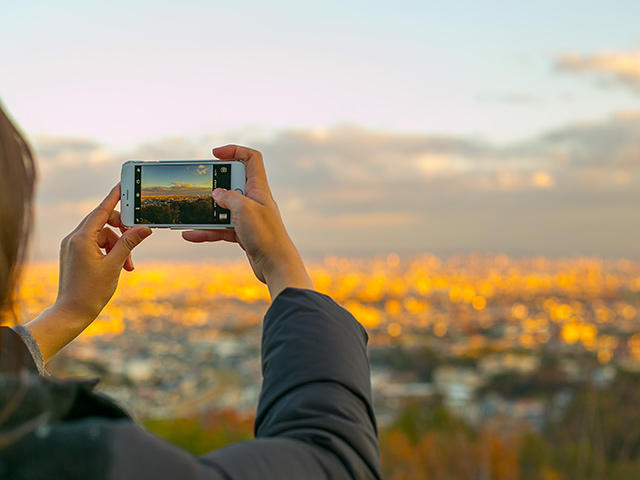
(286, 271)
(56, 327)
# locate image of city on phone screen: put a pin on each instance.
(178, 194)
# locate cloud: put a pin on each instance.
(623, 67)
(180, 189)
(349, 190)
(542, 180)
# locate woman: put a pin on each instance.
(314, 418)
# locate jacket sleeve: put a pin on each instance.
(315, 417)
(33, 348)
(316, 386)
(19, 351)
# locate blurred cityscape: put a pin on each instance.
(187, 331)
(496, 341)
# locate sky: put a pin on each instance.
(176, 180)
(386, 126)
(165, 175)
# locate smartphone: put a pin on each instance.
(176, 194)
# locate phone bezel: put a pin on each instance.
(127, 213)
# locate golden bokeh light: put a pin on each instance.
(574, 301)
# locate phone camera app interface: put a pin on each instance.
(180, 194)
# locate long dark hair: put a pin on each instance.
(17, 181)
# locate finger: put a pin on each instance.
(107, 239)
(115, 221)
(126, 243)
(231, 200)
(252, 159)
(198, 236)
(128, 264)
(99, 216)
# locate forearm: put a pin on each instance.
(54, 328)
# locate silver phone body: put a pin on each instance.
(133, 197)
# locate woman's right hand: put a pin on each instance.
(258, 227)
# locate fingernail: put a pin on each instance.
(144, 233)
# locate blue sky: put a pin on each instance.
(127, 72)
(385, 126)
(165, 175)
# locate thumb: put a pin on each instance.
(229, 199)
(127, 242)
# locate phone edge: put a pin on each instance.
(127, 213)
(126, 185)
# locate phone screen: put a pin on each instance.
(180, 194)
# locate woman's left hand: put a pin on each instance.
(88, 277)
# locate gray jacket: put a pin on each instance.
(314, 420)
